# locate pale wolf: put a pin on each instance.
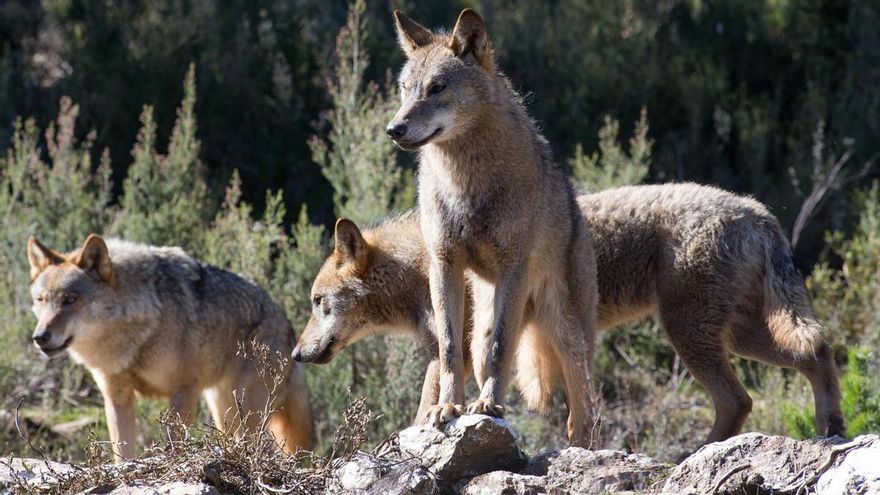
(493, 207)
(156, 321)
(714, 266)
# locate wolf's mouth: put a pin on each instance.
(326, 356)
(411, 146)
(54, 351)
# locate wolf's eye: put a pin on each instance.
(68, 300)
(436, 88)
(40, 299)
(316, 301)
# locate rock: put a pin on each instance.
(859, 472)
(18, 474)
(599, 471)
(503, 483)
(175, 488)
(366, 473)
(468, 446)
(574, 470)
(750, 463)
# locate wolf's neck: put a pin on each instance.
(501, 135)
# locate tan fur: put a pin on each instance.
(497, 211)
(158, 322)
(726, 252)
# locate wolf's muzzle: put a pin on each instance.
(396, 131)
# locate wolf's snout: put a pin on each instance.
(42, 337)
(296, 355)
(396, 131)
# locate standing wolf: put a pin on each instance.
(714, 266)
(159, 322)
(494, 207)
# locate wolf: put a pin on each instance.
(714, 266)
(494, 208)
(156, 321)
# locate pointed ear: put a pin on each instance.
(41, 257)
(350, 244)
(470, 36)
(94, 256)
(410, 34)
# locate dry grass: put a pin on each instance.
(233, 461)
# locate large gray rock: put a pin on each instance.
(468, 446)
(504, 483)
(859, 470)
(574, 470)
(175, 488)
(19, 475)
(751, 463)
(366, 473)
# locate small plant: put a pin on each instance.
(611, 166)
(861, 394)
(860, 400)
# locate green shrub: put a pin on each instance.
(611, 165)
(861, 393)
(165, 199)
(860, 400)
(360, 162)
(848, 299)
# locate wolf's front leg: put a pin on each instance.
(430, 391)
(511, 293)
(447, 297)
(119, 407)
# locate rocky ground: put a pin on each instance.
(481, 455)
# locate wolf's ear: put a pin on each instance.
(41, 257)
(470, 36)
(350, 244)
(94, 256)
(410, 34)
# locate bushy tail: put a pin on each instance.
(791, 319)
(292, 423)
(537, 371)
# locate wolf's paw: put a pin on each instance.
(487, 407)
(443, 413)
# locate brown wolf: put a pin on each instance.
(496, 209)
(714, 266)
(156, 321)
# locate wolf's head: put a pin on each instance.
(445, 81)
(341, 302)
(66, 290)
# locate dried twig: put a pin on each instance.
(729, 473)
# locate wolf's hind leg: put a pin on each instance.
(569, 329)
(183, 404)
(182, 408)
(291, 423)
(751, 338)
(483, 294)
(695, 333)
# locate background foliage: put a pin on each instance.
(761, 97)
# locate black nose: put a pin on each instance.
(42, 337)
(396, 131)
(296, 355)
